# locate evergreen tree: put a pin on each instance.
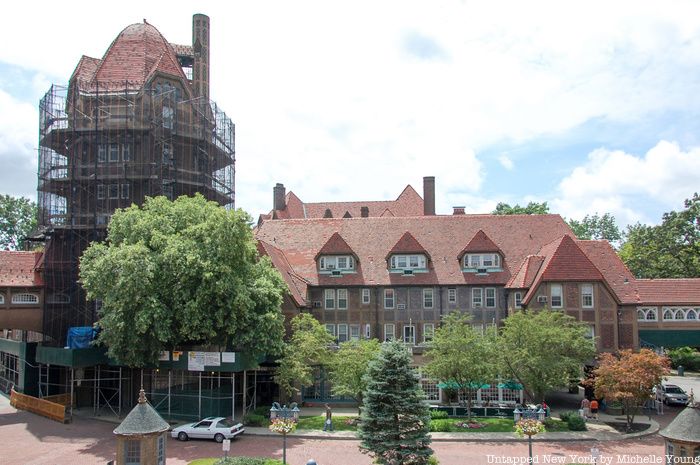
(395, 418)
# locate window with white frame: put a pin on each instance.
(590, 332)
(518, 299)
(490, 297)
(113, 152)
(510, 395)
(452, 295)
(126, 152)
(647, 314)
(482, 260)
(430, 388)
(331, 329)
(329, 300)
(354, 332)
(556, 294)
(668, 314)
(388, 298)
(365, 296)
(587, 295)
(681, 313)
(389, 331)
(428, 331)
(408, 262)
(132, 452)
(409, 334)
(342, 332)
(342, 299)
(427, 298)
(336, 262)
(368, 331)
(2, 299)
(477, 297)
(102, 153)
(114, 191)
(691, 314)
(25, 298)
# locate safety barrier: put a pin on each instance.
(46, 408)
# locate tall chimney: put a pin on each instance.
(278, 194)
(429, 195)
(200, 45)
(364, 212)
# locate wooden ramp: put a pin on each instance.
(53, 407)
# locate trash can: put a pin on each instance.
(681, 370)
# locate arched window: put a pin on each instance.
(651, 314)
(641, 315)
(680, 314)
(668, 314)
(25, 298)
(691, 314)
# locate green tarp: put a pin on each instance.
(670, 337)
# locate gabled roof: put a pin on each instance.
(296, 285)
(616, 274)
(20, 269)
(527, 272)
(480, 243)
(407, 244)
(679, 291)
(442, 236)
(564, 261)
(335, 245)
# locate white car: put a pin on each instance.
(216, 428)
(671, 394)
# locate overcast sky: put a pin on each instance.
(590, 106)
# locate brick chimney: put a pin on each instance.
(458, 210)
(429, 195)
(279, 193)
(200, 46)
(364, 212)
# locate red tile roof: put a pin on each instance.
(680, 291)
(335, 245)
(407, 244)
(183, 50)
(296, 285)
(480, 243)
(443, 237)
(138, 52)
(20, 269)
(619, 278)
(527, 272)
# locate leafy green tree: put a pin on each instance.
(172, 274)
(596, 227)
(668, 250)
(349, 365)
(17, 220)
(461, 355)
(395, 418)
(541, 349)
(308, 349)
(532, 208)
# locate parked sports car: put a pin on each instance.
(216, 428)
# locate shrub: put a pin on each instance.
(686, 356)
(438, 414)
(433, 460)
(567, 414)
(252, 419)
(576, 423)
(263, 411)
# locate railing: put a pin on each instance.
(43, 407)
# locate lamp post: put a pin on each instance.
(529, 425)
(283, 420)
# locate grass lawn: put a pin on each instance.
(316, 423)
(490, 425)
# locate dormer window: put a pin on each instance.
(336, 263)
(408, 262)
(482, 261)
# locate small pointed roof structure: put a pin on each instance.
(480, 242)
(143, 419)
(685, 427)
(336, 245)
(407, 244)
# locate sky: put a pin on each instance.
(591, 106)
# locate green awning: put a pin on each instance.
(669, 337)
(510, 385)
(456, 385)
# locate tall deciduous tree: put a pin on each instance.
(349, 365)
(17, 220)
(308, 349)
(395, 418)
(669, 250)
(177, 273)
(532, 208)
(543, 349)
(461, 355)
(629, 378)
(596, 227)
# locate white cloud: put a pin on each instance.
(506, 162)
(620, 183)
(18, 139)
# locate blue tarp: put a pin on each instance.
(80, 337)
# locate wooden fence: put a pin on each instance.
(53, 410)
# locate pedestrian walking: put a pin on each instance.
(328, 424)
(594, 408)
(585, 407)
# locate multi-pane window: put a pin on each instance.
(427, 298)
(113, 152)
(401, 262)
(126, 152)
(431, 389)
(114, 191)
(330, 329)
(132, 452)
(389, 331)
(673, 313)
(409, 334)
(556, 295)
(518, 296)
(342, 299)
(365, 296)
(125, 191)
(168, 117)
(483, 260)
(452, 295)
(25, 298)
(329, 299)
(342, 332)
(368, 331)
(587, 295)
(490, 297)
(336, 262)
(590, 332)
(477, 297)
(647, 314)
(389, 298)
(428, 332)
(354, 332)
(101, 191)
(102, 153)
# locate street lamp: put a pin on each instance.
(283, 420)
